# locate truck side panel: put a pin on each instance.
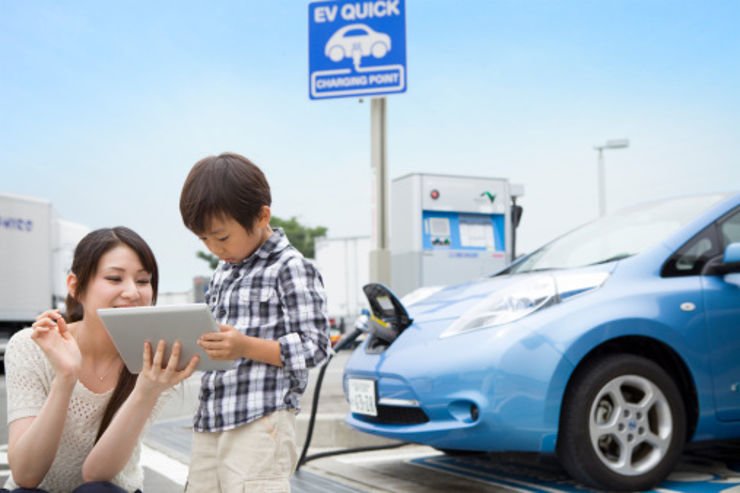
(345, 267)
(25, 260)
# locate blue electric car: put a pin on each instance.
(611, 346)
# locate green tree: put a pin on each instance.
(300, 236)
(208, 257)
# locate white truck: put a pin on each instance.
(36, 249)
(344, 264)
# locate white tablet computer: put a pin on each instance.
(130, 327)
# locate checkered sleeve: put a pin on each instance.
(301, 290)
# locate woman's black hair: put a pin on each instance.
(84, 266)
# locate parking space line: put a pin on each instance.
(488, 477)
(172, 469)
(465, 474)
(693, 474)
(363, 458)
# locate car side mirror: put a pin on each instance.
(732, 254)
(728, 263)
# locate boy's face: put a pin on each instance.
(228, 240)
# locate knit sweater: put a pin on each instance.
(28, 380)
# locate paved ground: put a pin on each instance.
(711, 468)
(166, 452)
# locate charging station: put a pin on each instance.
(447, 229)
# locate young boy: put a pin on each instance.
(271, 308)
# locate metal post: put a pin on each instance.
(610, 144)
(602, 183)
(380, 270)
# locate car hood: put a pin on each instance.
(451, 302)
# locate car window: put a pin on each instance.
(730, 229)
(618, 235)
(690, 259)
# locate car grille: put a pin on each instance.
(395, 415)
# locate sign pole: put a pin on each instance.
(358, 49)
(380, 268)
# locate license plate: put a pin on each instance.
(362, 396)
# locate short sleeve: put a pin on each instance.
(28, 376)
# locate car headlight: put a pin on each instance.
(523, 298)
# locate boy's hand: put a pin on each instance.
(228, 344)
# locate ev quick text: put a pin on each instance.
(357, 11)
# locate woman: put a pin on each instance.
(75, 413)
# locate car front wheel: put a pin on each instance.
(623, 424)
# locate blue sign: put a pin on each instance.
(356, 48)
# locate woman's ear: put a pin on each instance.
(72, 285)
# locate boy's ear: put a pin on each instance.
(265, 216)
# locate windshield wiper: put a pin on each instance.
(613, 259)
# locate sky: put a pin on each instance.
(105, 106)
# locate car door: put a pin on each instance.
(722, 304)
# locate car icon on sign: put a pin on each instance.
(357, 38)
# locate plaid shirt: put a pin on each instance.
(273, 294)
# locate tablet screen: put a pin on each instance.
(129, 328)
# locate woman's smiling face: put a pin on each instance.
(120, 280)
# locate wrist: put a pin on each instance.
(144, 395)
(64, 381)
(244, 346)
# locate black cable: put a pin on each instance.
(312, 419)
(369, 448)
(341, 344)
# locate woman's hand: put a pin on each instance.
(51, 333)
(155, 378)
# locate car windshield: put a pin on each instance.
(616, 236)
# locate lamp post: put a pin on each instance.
(610, 144)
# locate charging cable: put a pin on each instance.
(345, 341)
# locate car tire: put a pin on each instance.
(379, 50)
(622, 424)
(336, 53)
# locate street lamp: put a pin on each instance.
(610, 144)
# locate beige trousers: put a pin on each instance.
(257, 457)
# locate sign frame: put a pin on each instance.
(356, 48)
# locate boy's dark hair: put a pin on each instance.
(226, 185)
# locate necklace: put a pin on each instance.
(107, 372)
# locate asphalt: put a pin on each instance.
(406, 468)
(167, 442)
(169, 438)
